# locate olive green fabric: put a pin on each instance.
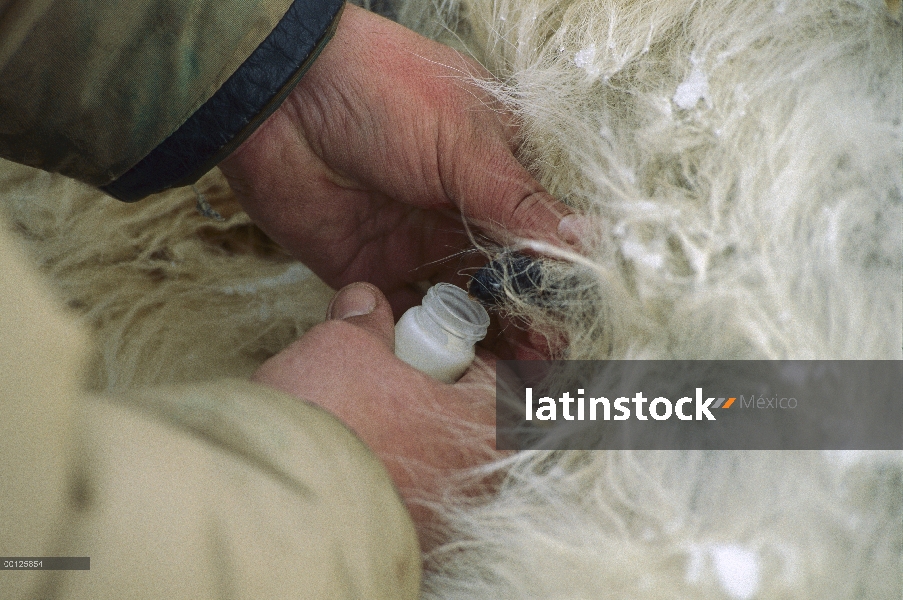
(87, 89)
(223, 490)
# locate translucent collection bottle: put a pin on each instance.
(438, 336)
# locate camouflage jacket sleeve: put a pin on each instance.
(137, 96)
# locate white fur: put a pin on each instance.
(730, 525)
(170, 295)
(742, 158)
(743, 162)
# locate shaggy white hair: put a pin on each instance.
(743, 162)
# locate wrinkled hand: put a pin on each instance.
(421, 429)
(365, 170)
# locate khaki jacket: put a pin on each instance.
(224, 490)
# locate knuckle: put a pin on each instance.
(330, 333)
(528, 212)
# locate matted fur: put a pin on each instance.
(688, 525)
(173, 296)
(743, 162)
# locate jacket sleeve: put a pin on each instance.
(137, 96)
(220, 490)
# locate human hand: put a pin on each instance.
(365, 170)
(424, 431)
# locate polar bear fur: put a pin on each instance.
(742, 164)
(742, 160)
(173, 296)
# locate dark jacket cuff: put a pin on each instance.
(241, 105)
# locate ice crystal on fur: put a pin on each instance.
(692, 89)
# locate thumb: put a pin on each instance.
(363, 305)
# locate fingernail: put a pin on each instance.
(574, 229)
(351, 301)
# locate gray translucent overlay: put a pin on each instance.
(777, 405)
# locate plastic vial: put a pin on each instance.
(438, 336)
